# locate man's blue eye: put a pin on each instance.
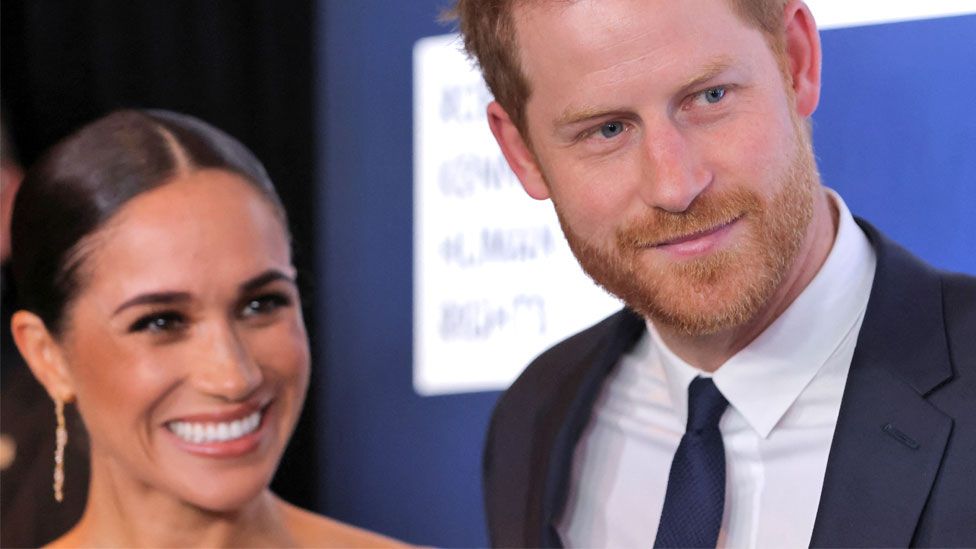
(612, 129)
(714, 95)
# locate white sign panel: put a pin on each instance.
(495, 283)
(847, 13)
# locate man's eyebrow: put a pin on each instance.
(153, 298)
(709, 70)
(265, 278)
(576, 115)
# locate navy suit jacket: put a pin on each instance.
(902, 465)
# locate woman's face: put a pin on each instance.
(186, 347)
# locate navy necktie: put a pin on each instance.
(695, 499)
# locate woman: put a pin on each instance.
(153, 257)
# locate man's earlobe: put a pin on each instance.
(803, 53)
(517, 152)
(42, 354)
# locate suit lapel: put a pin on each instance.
(889, 440)
(626, 333)
(886, 453)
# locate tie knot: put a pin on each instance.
(705, 404)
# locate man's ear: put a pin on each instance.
(517, 152)
(803, 54)
(43, 355)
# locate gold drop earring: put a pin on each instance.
(61, 440)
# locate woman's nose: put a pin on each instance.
(226, 368)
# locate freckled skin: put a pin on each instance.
(652, 121)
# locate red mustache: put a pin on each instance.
(706, 213)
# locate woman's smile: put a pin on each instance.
(172, 318)
(204, 343)
(225, 434)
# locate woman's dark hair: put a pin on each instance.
(87, 177)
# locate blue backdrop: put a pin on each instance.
(895, 135)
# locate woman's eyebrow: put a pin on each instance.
(168, 298)
(153, 298)
(264, 278)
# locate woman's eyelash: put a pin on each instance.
(172, 321)
(265, 304)
(166, 321)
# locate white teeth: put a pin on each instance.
(202, 433)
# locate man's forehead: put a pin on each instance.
(525, 13)
(613, 38)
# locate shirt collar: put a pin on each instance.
(765, 378)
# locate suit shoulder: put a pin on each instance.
(562, 362)
(960, 290)
(545, 389)
(525, 423)
(959, 305)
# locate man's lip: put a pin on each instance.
(225, 415)
(695, 235)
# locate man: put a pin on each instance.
(783, 375)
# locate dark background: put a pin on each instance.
(244, 66)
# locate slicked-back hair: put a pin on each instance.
(80, 183)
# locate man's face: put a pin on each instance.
(669, 144)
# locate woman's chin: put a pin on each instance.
(225, 490)
(230, 500)
(220, 477)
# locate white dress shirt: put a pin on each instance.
(784, 391)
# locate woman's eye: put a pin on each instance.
(612, 129)
(714, 95)
(159, 323)
(264, 305)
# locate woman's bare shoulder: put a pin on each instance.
(71, 538)
(312, 530)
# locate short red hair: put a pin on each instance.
(488, 28)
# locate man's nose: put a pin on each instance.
(226, 368)
(674, 173)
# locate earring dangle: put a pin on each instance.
(61, 439)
